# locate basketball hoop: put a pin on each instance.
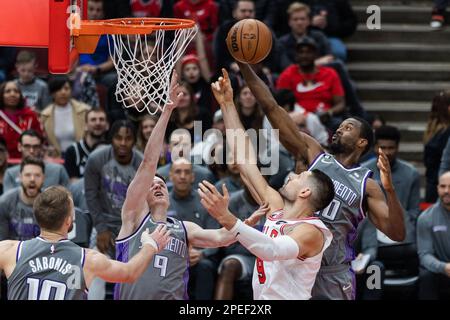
(143, 59)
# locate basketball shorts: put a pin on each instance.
(334, 283)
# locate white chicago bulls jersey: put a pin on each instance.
(287, 279)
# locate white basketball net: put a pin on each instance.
(144, 71)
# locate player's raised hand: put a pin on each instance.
(174, 95)
(262, 211)
(222, 89)
(385, 171)
(158, 239)
(212, 200)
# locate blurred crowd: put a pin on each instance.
(70, 130)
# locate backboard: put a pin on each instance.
(44, 24)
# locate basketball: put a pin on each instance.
(249, 41)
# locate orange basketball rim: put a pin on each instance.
(61, 26)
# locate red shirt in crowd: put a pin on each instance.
(146, 8)
(204, 12)
(314, 92)
(25, 119)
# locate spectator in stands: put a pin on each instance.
(3, 162)
(306, 121)
(236, 268)
(249, 111)
(187, 113)
(232, 181)
(15, 117)
(146, 125)
(445, 160)
(76, 156)
(150, 8)
(436, 136)
(31, 145)
(33, 89)
(433, 228)
(406, 179)
(196, 73)
(317, 89)
(336, 19)
(99, 64)
(179, 147)
(211, 150)
(108, 172)
(17, 220)
(299, 23)
(64, 120)
(204, 12)
(265, 10)
(438, 13)
(244, 9)
(185, 205)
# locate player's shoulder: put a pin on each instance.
(102, 152)
(7, 246)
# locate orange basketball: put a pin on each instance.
(249, 41)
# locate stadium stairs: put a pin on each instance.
(398, 69)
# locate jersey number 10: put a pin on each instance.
(42, 291)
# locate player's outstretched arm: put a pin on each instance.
(303, 240)
(98, 265)
(385, 213)
(208, 238)
(137, 191)
(8, 250)
(245, 157)
(299, 144)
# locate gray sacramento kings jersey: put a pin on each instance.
(48, 271)
(346, 211)
(166, 278)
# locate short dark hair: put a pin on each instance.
(366, 132)
(388, 133)
(118, 124)
(161, 177)
(25, 56)
(323, 192)
(86, 115)
(32, 161)
(31, 133)
(56, 82)
(52, 207)
(236, 3)
(21, 103)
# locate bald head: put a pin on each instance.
(182, 176)
(444, 189)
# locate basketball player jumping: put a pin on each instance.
(50, 267)
(290, 249)
(146, 206)
(355, 192)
